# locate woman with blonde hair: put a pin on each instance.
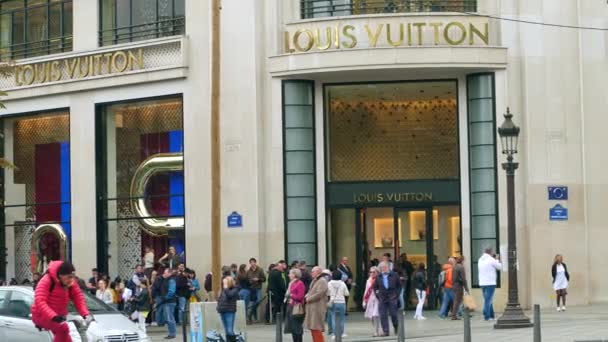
(103, 293)
(561, 278)
(370, 301)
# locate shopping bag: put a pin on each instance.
(469, 302)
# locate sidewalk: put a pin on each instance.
(585, 323)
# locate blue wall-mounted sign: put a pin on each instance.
(558, 193)
(558, 213)
(235, 220)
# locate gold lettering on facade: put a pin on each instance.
(409, 34)
(287, 43)
(39, 73)
(309, 43)
(475, 32)
(18, 73)
(120, 58)
(136, 59)
(373, 37)
(416, 33)
(419, 26)
(97, 64)
(55, 72)
(108, 63)
(463, 33)
(346, 31)
(32, 75)
(388, 35)
(436, 27)
(71, 66)
(318, 43)
(84, 72)
(394, 197)
(79, 67)
(336, 38)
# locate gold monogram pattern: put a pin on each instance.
(375, 139)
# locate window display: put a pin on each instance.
(37, 194)
(142, 191)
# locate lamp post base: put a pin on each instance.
(513, 318)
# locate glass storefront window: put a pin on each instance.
(132, 20)
(34, 28)
(37, 204)
(141, 190)
(334, 8)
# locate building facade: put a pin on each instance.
(348, 128)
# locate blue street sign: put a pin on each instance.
(558, 213)
(558, 193)
(235, 220)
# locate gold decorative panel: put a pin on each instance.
(392, 131)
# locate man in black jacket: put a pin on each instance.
(306, 277)
(277, 286)
(387, 289)
(183, 291)
(405, 270)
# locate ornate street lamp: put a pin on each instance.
(513, 317)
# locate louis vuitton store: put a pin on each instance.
(389, 130)
(395, 154)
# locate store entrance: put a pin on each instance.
(413, 236)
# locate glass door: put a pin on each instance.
(415, 231)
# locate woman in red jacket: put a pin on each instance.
(53, 294)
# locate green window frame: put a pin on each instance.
(123, 21)
(483, 178)
(30, 28)
(299, 171)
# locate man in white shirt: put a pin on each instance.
(488, 266)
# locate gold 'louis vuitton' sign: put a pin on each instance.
(395, 33)
(381, 197)
(114, 62)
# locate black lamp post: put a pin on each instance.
(513, 317)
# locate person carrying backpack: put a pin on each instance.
(52, 297)
(445, 281)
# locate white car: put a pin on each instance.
(16, 324)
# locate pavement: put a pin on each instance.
(577, 324)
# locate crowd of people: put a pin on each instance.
(307, 298)
(156, 294)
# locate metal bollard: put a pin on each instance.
(467, 325)
(186, 317)
(401, 326)
(537, 329)
(279, 326)
(270, 307)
